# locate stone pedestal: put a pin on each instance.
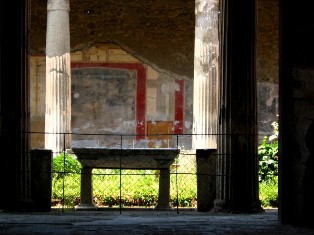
(41, 167)
(206, 179)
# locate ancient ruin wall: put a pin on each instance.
(158, 32)
(161, 34)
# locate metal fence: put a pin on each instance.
(121, 188)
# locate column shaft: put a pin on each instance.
(58, 77)
(238, 164)
(205, 105)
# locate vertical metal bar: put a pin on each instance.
(177, 189)
(120, 200)
(64, 165)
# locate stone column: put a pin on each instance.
(205, 104)
(237, 183)
(14, 105)
(58, 76)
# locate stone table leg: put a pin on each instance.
(86, 202)
(164, 191)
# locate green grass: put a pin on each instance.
(268, 192)
(137, 188)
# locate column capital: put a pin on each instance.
(58, 5)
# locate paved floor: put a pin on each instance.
(145, 222)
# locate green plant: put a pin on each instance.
(268, 160)
(65, 180)
(65, 163)
(269, 192)
(268, 168)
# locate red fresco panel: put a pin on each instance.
(178, 116)
(140, 91)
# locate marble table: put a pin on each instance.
(136, 158)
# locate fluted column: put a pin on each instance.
(206, 51)
(58, 76)
(237, 183)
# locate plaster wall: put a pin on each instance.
(267, 65)
(105, 96)
(161, 32)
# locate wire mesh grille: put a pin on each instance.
(119, 187)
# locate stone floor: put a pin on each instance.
(145, 222)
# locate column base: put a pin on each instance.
(219, 206)
(256, 207)
(163, 208)
(253, 207)
(86, 207)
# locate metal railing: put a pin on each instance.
(132, 188)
